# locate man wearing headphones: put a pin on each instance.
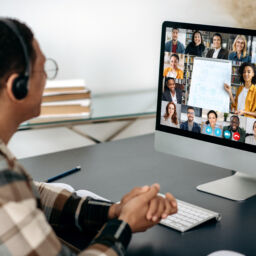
(217, 52)
(29, 209)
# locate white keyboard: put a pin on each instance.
(189, 216)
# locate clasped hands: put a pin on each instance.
(142, 207)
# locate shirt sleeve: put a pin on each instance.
(63, 208)
(26, 231)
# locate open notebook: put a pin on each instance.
(81, 192)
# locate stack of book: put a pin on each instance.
(64, 100)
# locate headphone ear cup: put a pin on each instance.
(20, 88)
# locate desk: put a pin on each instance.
(112, 169)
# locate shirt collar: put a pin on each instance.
(5, 151)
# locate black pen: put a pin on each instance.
(64, 174)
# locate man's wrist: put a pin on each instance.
(127, 219)
(114, 211)
(116, 234)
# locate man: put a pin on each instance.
(174, 45)
(171, 93)
(29, 209)
(217, 52)
(233, 131)
(190, 125)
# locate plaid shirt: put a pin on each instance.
(28, 209)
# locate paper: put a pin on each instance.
(81, 192)
(85, 193)
(84, 102)
(207, 85)
(65, 83)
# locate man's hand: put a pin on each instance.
(146, 209)
(160, 207)
(115, 209)
(135, 210)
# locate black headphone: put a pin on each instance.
(20, 84)
(218, 35)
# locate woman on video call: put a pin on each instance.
(196, 47)
(239, 52)
(244, 102)
(173, 70)
(170, 117)
(211, 122)
(171, 93)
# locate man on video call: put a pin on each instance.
(174, 45)
(217, 52)
(190, 124)
(30, 209)
(233, 131)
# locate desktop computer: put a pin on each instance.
(206, 108)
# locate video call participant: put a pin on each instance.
(233, 131)
(171, 93)
(245, 99)
(190, 125)
(196, 46)
(217, 52)
(173, 70)
(251, 139)
(211, 127)
(30, 209)
(174, 45)
(239, 52)
(170, 117)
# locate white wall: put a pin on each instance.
(113, 44)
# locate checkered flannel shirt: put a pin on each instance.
(29, 209)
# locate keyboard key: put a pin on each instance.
(188, 216)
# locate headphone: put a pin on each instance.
(20, 84)
(218, 35)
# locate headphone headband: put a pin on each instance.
(20, 84)
(15, 30)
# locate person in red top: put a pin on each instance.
(174, 45)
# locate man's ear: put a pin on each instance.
(9, 85)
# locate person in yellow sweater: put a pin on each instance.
(173, 70)
(244, 102)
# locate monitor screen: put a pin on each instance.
(207, 84)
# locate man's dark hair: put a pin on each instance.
(219, 35)
(175, 28)
(190, 108)
(241, 71)
(12, 57)
(232, 117)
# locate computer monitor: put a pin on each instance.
(206, 108)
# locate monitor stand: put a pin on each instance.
(237, 187)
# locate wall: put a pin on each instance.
(113, 44)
